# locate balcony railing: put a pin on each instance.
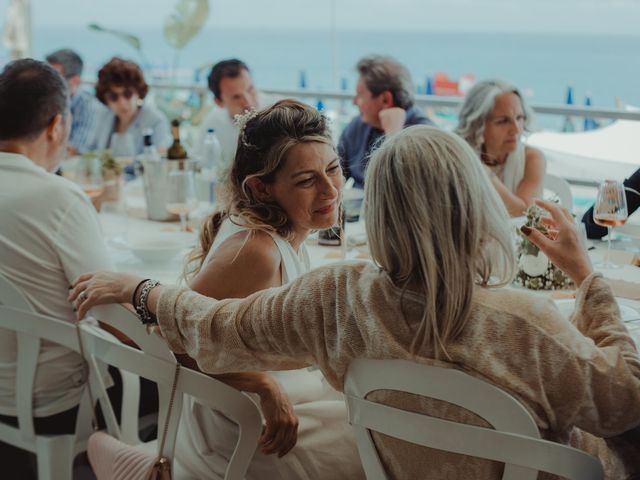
(429, 101)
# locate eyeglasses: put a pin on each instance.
(113, 96)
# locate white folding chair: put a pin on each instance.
(156, 362)
(560, 187)
(55, 453)
(515, 441)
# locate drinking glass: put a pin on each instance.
(610, 211)
(88, 174)
(122, 148)
(115, 222)
(181, 194)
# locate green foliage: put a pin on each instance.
(187, 20)
(128, 38)
(106, 158)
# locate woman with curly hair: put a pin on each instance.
(121, 126)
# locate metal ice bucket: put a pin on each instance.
(154, 177)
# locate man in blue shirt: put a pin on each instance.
(384, 96)
(84, 106)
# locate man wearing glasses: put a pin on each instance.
(84, 106)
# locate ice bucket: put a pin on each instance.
(154, 177)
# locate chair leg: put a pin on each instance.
(55, 457)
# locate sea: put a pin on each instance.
(541, 65)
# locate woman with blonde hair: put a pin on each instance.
(492, 120)
(435, 223)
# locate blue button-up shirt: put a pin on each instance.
(84, 110)
(359, 139)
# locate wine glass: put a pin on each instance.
(115, 222)
(122, 148)
(88, 174)
(181, 194)
(610, 211)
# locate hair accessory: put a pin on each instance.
(241, 121)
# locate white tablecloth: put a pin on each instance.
(122, 230)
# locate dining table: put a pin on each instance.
(127, 231)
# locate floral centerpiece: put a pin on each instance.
(535, 270)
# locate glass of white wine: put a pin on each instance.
(181, 195)
(610, 211)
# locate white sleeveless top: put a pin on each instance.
(513, 171)
(326, 446)
(293, 264)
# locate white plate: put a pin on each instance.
(156, 250)
(566, 306)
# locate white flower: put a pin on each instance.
(534, 265)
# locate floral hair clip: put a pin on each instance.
(241, 120)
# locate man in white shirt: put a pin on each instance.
(49, 234)
(234, 94)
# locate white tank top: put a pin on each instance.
(513, 169)
(293, 264)
(301, 385)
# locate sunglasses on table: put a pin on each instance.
(113, 96)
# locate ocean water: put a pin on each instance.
(541, 65)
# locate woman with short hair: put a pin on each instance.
(440, 240)
(121, 127)
(492, 120)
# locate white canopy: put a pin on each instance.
(609, 152)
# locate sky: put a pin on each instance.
(541, 16)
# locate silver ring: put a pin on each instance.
(83, 295)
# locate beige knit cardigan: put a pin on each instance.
(574, 376)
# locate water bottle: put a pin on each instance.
(211, 163)
(150, 153)
(211, 151)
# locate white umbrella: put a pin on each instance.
(17, 29)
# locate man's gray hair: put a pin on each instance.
(381, 74)
(478, 105)
(70, 61)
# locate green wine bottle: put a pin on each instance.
(176, 150)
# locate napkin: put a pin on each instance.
(624, 289)
(621, 257)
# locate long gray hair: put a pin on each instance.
(436, 225)
(478, 105)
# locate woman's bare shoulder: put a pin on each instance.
(534, 154)
(253, 247)
(244, 263)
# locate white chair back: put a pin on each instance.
(515, 441)
(156, 362)
(55, 453)
(561, 188)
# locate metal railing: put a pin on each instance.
(429, 101)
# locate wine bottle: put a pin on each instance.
(176, 150)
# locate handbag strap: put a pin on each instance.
(170, 408)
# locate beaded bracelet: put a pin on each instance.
(142, 309)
